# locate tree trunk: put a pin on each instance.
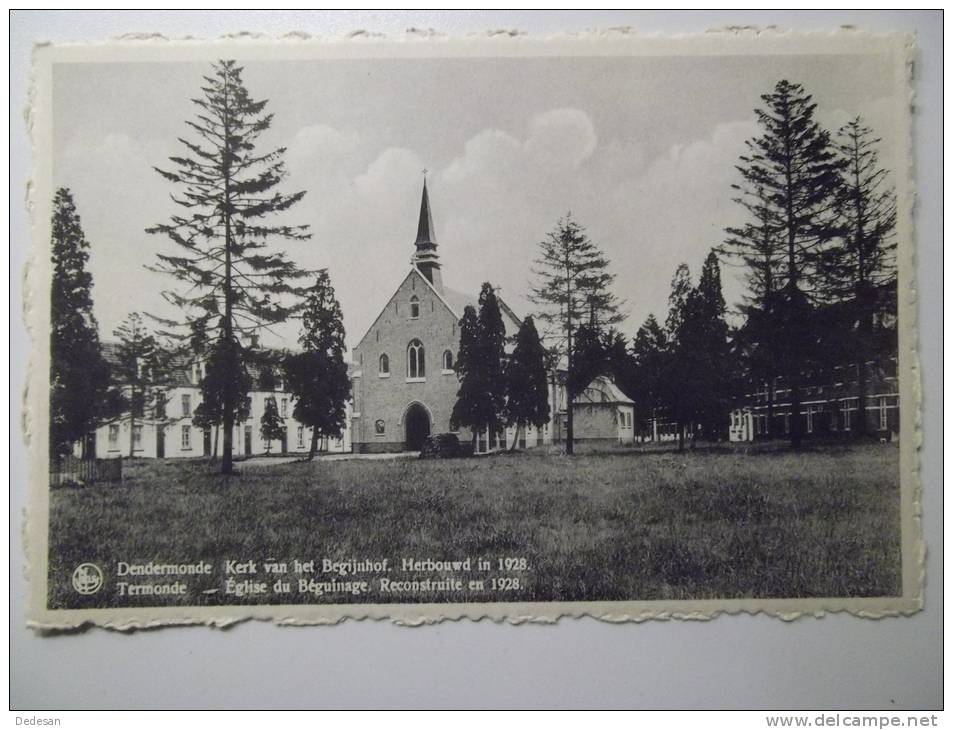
(680, 427)
(132, 422)
(769, 426)
(314, 444)
(214, 452)
(228, 397)
(516, 437)
(861, 396)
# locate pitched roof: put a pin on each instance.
(458, 301)
(603, 390)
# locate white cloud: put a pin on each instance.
(561, 137)
(320, 142)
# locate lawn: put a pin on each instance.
(634, 524)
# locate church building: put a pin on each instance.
(404, 384)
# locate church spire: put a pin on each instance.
(425, 257)
(425, 232)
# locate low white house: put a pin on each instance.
(603, 413)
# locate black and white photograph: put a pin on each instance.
(615, 326)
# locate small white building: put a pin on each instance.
(603, 413)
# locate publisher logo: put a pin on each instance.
(87, 579)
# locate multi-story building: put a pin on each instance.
(167, 428)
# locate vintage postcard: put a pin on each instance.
(499, 326)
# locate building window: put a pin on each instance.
(113, 435)
(379, 427)
(415, 360)
(300, 437)
(186, 438)
(284, 407)
(383, 367)
(137, 436)
(882, 406)
(414, 307)
(447, 360)
(186, 405)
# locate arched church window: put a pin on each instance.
(415, 359)
(447, 360)
(383, 366)
(414, 307)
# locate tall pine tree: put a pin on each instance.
(793, 171)
(234, 282)
(317, 376)
(861, 260)
(79, 376)
(527, 392)
(573, 285)
(758, 247)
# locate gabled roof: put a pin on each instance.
(458, 301)
(603, 390)
(454, 301)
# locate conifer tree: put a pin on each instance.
(140, 368)
(527, 394)
(573, 284)
(793, 171)
(649, 354)
(79, 376)
(861, 261)
(679, 387)
(468, 374)
(233, 282)
(317, 376)
(217, 379)
(708, 339)
(492, 349)
(481, 397)
(272, 424)
(759, 249)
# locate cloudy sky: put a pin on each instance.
(640, 150)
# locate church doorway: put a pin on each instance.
(417, 424)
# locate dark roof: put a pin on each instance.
(181, 364)
(458, 301)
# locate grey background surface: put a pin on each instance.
(749, 662)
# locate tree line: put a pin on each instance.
(817, 254)
(232, 284)
(816, 249)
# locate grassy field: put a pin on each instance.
(633, 524)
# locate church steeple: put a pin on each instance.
(425, 257)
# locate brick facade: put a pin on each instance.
(382, 400)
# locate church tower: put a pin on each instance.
(426, 258)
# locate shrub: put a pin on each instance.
(440, 446)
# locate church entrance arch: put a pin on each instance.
(416, 427)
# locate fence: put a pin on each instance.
(69, 470)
